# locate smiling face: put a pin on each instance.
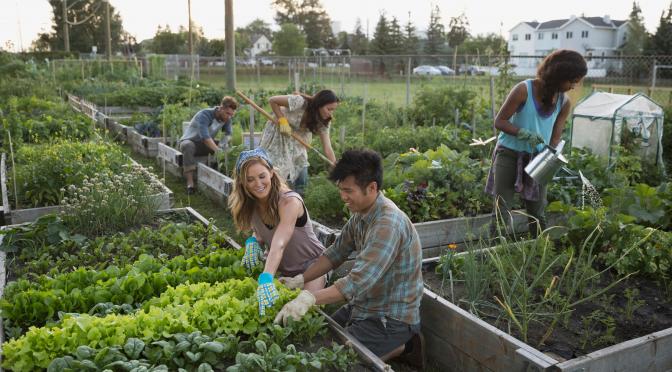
(357, 199)
(257, 180)
(326, 111)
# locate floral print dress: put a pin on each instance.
(289, 157)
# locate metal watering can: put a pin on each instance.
(544, 166)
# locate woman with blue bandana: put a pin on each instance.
(262, 202)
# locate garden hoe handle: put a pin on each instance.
(269, 117)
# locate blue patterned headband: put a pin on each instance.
(247, 155)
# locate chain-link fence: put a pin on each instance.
(387, 78)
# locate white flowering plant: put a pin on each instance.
(109, 202)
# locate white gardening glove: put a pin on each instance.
(296, 308)
(292, 282)
(224, 143)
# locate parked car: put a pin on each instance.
(426, 70)
(445, 70)
(470, 70)
(266, 62)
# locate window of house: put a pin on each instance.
(554, 35)
(584, 34)
(568, 35)
(515, 37)
(540, 36)
(528, 36)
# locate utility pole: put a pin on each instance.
(66, 31)
(108, 48)
(191, 43)
(230, 46)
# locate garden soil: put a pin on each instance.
(584, 333)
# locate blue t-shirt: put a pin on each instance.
(531, 117)
(204, 125)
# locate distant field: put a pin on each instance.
(394, 89)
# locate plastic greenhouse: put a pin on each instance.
(601, 120)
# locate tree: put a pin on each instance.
(310, 17)
(396, 37)
(661, 41)
(359, 42)
(410, 39)
(458, 30)
(636, 39)
(381, 42)
(343, 40)
(91, 31)
(489, 44)
(289, 41)
(166, 41)
(435, 32)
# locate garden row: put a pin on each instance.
(585, 268)
(110, 283)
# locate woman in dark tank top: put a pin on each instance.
(262, 202)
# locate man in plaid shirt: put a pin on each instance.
(384, 287)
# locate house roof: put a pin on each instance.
(558, 23)
(552, 24)
(256, 38)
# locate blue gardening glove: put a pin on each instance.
(253, 253)
(267, 294)
(533, 139)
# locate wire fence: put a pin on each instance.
(385, 78)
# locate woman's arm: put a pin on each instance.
(290, 209)
(276, 102)
(517, 97)
(326, 146)
(559, 124)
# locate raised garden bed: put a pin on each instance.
(163, 200)
(640, 340)
(366, 357)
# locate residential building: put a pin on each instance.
(593, 37)
(260, 44)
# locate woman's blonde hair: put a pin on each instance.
(242, 203)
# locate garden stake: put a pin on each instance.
(269, 117)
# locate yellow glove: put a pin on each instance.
(284, 127)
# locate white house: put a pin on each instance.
(260, 44)
(593, 37)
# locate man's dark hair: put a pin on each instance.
(365, 166)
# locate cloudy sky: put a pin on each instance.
(22, 20)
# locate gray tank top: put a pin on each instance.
(302, 249)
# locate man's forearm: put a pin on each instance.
(316, 270)
(211, 144)
(329, 295)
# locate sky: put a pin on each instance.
(22, 20)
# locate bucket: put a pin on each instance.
(544, 166)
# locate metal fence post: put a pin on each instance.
(408, 82)
(492, 104)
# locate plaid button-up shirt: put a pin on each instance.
(386, 279)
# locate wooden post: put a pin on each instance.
(473, 122)
(366, 94)
(492, 104)
(252, 110)
(341, 138)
